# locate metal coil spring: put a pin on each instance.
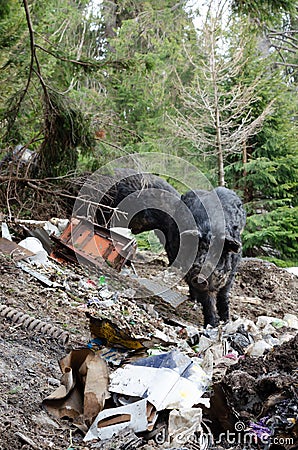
(32, 324)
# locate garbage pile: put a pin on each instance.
(170, 398)
(140, 381)
(262, 392)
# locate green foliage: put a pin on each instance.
(112, 73)
(66, 130)
(281, 262)
(39, 104)
(264, 10)
(149, 241)
(142, 94)
(273, 178)
(269, 179)
(277, 228)
(270, 185)
(4, 8)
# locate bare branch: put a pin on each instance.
(91, 64)
(279, 63)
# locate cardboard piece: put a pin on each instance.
(94, 371)
(83, 389)
(112, 421)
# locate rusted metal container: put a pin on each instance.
(91, 243)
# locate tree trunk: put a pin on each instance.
(214, 75)
(247, 188)
(220, 161)
(221, 173)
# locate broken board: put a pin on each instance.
(163, 291)
(15, 251)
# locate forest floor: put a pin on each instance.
(29, 361)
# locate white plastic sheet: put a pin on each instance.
(177, 382)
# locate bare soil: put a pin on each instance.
(29, 361)
(260, 288)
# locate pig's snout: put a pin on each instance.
(200, 283)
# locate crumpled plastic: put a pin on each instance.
(169, 380)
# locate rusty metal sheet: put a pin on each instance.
(15, 251)
(93, 244)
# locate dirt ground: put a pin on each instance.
(260, 288)
(29, 361)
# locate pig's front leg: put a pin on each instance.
(208, 302)
(222, 303)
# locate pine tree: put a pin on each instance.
(149, 37)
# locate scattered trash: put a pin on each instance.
(260, 430)
(112, 355)
(60, 224)
(120, 321)
(169, 380)
(169, 296)
(83, 389)
(123, 440)
(5, 231)
(258, 348)
(183, 424)
(86, 284)
(240, 340)
(40, 230)
(243, 337)
(105, 329)
(262, 393)
(33, 244)
(92, 244)
(263, 321)
(239, 369)
(42, 235)
(291, 321)
(112, 421)
(102, 280)
(47, 225)
(105, 293)
(39, 276)
(99, 303)
(149, 385)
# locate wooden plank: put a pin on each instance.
(15, 251)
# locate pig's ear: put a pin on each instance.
(191, 233)
(232, 245)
